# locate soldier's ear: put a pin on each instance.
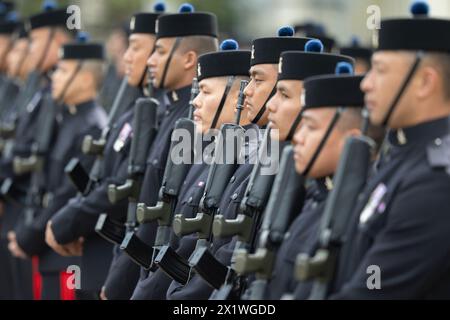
(190, 60)
(428, 83)
(86, 79)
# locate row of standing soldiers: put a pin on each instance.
(280, 172)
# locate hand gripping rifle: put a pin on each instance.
(174, 176)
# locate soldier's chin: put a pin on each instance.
(376, 119)
(199, 128)
(299, 167)
(275, 133)
(133, 82)
(55, 95)
(155, 82)
(250, 115)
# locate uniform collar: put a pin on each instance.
(321, 187)
(422, 132)
(79, 108)
(178, 96)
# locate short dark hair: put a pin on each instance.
(97, 69)
(199, 44)
(442, 60)
(71, 34)
(352, 119)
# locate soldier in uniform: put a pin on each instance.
(8, 91)
(323, 94)
(79, 216)
(284, 107)
(47, 32)
(75, 84)
(311, 62)
(180, 39)
(116, 45)
(7, 29)
(17, 71)
(263, 71)
(400, 226)
(219, 75)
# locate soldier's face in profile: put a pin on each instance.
(4, 44)
(15, 59)
(383, 82)
(116, 47)
(284, 107)
(38, 43)
(307, 138)
(158, 60)
(207, 102)
(61, 77)
(136, 56)
(361, 66)
(263, 78)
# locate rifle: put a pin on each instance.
(174, 176)
(285, 202)
(245, 226)
(34, 164)
(9, 92)
(219, 176)
(349, 181)
(90, 146)
(145, 129)
(8, 130)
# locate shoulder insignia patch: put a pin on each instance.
(438, 153)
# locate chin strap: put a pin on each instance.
(409, 76)
(46, 48)
(146, 73)
(169, 58)
(327, 134)
(264, 107)
(294, 126)
(60, 99)
(230, 82)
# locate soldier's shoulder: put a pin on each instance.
(96, 117)
(438, 153)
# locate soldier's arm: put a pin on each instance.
(79, 216)
(122, 277)
(31, 238)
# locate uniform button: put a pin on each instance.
(190, 200)
(155, 162)
(167, 112)
(438, 142)
(234, 196)
(233, 178)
